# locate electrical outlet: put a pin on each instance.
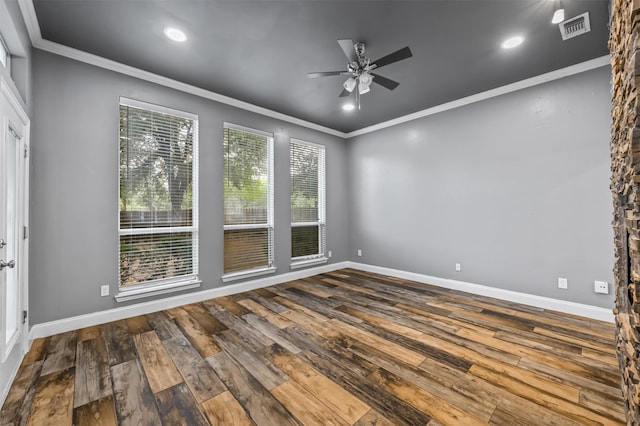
(563, 283)
(104, 290)
(601, 287)
(359, 252)
(329, 254)
(458, 267)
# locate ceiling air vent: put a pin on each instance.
(575, 26)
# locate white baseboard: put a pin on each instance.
(87, 320)
(588, 311)
(73, 323)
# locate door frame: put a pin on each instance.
(22, 128)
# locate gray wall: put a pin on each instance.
(74, 224)
(515, 188)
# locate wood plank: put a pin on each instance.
(305, 406)
(263, 408)
(177, 407)
(373, 418)
(540, 397)
(275, 319)
(17, 404)
(135, 404)
(298, 308)
(231, 306)
(347, 406)
(61, 353)
(208, 322)
(158, 367)
(522, 410)
(223, 410)
(271, 331)
(404, 354)
(302, 285)
(89, 333)
(255, 339)
(93, 379)
(101, 412)
(197, 335)
(164, 327)
(138, 324)
(479, 408)
(431, 404)
(119, 342)
(261, 368)
(37, 352)
(197, 374)
(53, 401)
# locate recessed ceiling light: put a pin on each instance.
(175, 34)
(512, 42)
(348, 107)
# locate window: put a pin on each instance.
(248, 202)
(158, 198)
(307, 165)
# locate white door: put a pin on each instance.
(13, 230)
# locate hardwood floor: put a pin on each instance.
(342, 348)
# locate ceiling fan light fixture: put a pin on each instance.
(349, 85)
(365, 78)
(363, 88)
(558, 16)
(348, 107)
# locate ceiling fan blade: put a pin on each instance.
(325, 74)
(344, 93)
(384, 81)
(347, 47)
(396, 56)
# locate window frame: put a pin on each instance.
(321, 223)
(182, 282)
(269, 225)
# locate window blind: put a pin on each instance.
(158, 195)
(307, 168)
(248, 199)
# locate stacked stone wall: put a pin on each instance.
(624, 45)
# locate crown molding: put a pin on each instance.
(519, 85)
(33, 28)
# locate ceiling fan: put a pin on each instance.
(360, 67)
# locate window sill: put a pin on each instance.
(138, 293)
(248, 274)
(311, 262)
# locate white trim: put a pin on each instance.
(73, 323)
(33, 28)
(146, 106)
(588, 311)
(248, 273)
(498, 91)
(228, 125)
(150, 289)
(297, 264)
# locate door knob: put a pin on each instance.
(2, 243)
(9, 264)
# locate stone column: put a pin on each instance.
(624, 44)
